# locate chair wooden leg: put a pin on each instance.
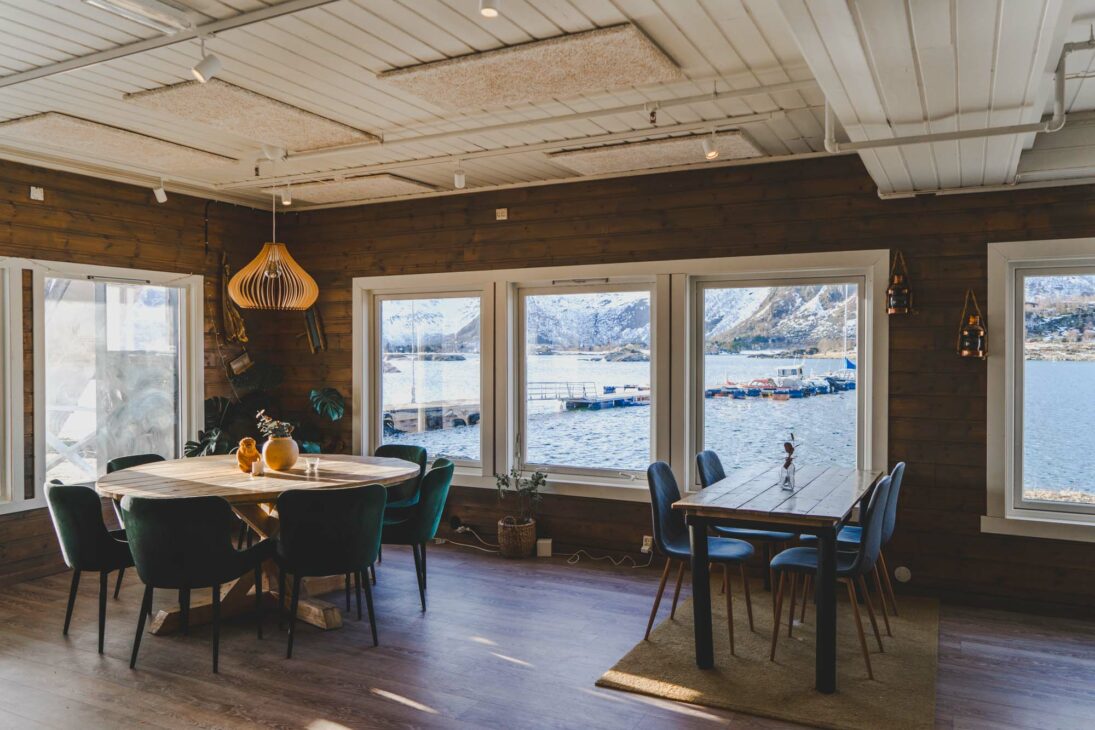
(146, 609)
(807, 582)
(243, 535)
(657, 599)
(882, 600)
(347, 593)
(118, 583)
(184, 610)
(778, 592)
(103, 579)
(372, 613)
(770, 575)
(357, 591)
(794, 580)
(293, 615)
(886, 580)
(258, 598)
(870, 612)
(217, 626)
(729, 604)
(72, 588)
(859, 628)
(748, 598)
(677, 591)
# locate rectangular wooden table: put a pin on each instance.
(821, 502)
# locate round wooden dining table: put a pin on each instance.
(253, 499)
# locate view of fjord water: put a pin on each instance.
(1058, 422)
(741, 431)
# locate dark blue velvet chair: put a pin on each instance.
(851, 567)
(671, 539)
(86, 544)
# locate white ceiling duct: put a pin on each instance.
(357, 188)
(656, 153)
(246, 113)
(617, 57)
(56, 130)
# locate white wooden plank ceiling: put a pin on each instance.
(326, 61)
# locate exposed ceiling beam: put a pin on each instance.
(207, 29)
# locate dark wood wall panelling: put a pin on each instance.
(91, 221)
(937, 401)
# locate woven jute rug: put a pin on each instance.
(901, 695)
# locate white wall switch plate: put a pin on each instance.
(648, 543)
(543, 547)
(37, 193)
(501, 214)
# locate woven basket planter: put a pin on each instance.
(516, 540)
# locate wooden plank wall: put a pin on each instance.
(937, 401)
(97, 222)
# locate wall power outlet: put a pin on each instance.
(648, 543)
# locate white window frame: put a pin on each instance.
(864, 391)
(191, 331)
(1006, 511)
(486, 357)
(672, 382)
(13, 487)
(581, 286)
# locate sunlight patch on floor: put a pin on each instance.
(522, 662)
(627, 699)
(326, 725)
(405, 701)
(482, 640)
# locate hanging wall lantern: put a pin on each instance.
(971, 332)
(898, 295)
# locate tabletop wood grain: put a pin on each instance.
(823, 495)
(219, 476)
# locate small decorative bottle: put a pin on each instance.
(787, 471)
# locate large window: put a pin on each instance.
(430, 367)
(586, 378)
(778, 362)
(118, 367)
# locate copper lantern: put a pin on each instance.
(971, 333)
(898, 295)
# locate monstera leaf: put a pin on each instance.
(328, 402)
(209, 442)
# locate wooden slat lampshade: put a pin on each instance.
(273, 280)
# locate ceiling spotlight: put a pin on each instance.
(208, 67)
(710, 148)
(160, 193)
(286, 195)
(459, 179)
(162, 15)
(489, 8)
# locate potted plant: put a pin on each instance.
(517, 534)
(280, 451)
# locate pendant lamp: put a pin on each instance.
(273, 279)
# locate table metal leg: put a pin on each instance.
(825, 596)
(701, 596)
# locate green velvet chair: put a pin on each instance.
(125, 462)
(422, 525)
(328, 532)
(86, 544)
(186, 543)
(405, 494)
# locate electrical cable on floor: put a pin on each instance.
(575, 557)
(465, 528)
(473, 547)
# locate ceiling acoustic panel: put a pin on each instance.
(617, 57)
(356, 188)
(249, 114)
(655, 153)
(56, 130)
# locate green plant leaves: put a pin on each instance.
(328, 402)
(211, 441)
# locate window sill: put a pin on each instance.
(571, 485)
(1039, 527)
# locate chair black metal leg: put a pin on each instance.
(184, 612)
(418, 574)
(347, 593)
(146, 609)
(103, 576)
(423, 566)
(118, 583)
(258, 597)
(293, 615)
(71, 599)
(372, 573)
(216, 625)
(380, 554)
(281, 598)
(372, 613)
(243, 535)
(357, 590)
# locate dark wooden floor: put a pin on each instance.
(504, 645)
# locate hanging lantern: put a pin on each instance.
(273, 279)
(898, 296)
(971, 333)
